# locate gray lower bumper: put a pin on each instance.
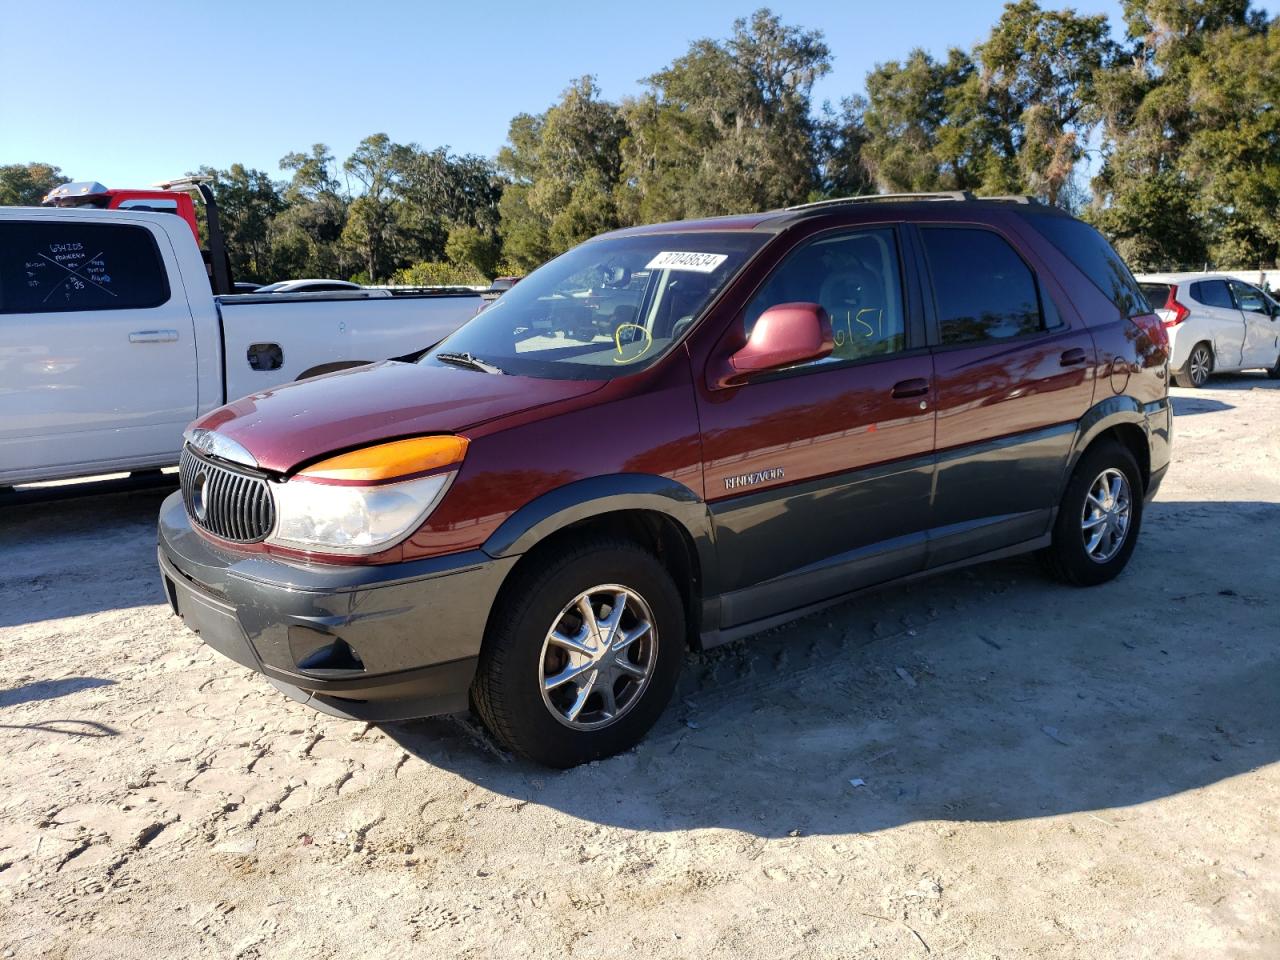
(374, 642)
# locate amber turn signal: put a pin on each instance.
(390, 461)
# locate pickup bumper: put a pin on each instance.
(373, 643)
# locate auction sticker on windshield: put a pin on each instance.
(696, 262)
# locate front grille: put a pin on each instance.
(229, 503)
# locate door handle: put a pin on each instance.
(904, 389)
(1072, 357)
(153, 336)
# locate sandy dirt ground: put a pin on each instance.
(983, 765)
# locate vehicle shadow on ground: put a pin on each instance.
(1240, 381)
(1188, 406)
(990, 694)
(50, 689)
(69, 557)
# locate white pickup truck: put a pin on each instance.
(111, 340)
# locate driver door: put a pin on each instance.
(818, 476)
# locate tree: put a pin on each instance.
(729, 126)
(1234, 152)
(305, 237)
(1039, 67)
(917, 137)
(564, 167)
(26, 184)
(1147, 196)
(248, 202)
(373, 225)
(474, 248)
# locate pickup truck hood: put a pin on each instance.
(288, 425)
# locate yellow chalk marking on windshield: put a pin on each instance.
(617, 342)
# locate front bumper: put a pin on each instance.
(374, 642)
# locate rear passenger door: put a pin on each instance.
(1225, 322)
(1260, 326)
(1013, 377)
(818, 476)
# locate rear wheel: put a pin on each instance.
(1273, 372)
(581, 654)
(1098, 519)
(1196, 370)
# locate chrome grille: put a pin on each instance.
(229, 503)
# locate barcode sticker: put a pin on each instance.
(695, 262)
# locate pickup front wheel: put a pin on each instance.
(581, 654)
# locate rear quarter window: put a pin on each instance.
(1157, 294)
(60, 266)
(1089, 250)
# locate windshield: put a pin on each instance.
(605, 308)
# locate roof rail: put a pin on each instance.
(962, 195)
(873, 197)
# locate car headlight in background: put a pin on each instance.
(367, 500)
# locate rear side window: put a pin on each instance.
(1213, 293)
(1089, 251)
(982, 288)
(56, 266)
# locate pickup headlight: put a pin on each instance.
(367, 500)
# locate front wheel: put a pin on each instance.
(1273, 372)
(581, 654)
(1098, 519)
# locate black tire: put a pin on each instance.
(1185, 376)
(506, 694)
(1067, 558)
(1273, 373)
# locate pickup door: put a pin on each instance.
(97, 348)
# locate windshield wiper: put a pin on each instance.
(467, 360)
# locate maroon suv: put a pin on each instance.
(674, 436)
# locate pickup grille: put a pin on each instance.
(229, 503)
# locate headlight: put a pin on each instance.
(367, 500)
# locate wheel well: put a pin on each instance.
(1134, 439)
(658, 533)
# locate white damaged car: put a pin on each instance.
(1216, 324)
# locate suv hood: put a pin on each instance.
(297, 422)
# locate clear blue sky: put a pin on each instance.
(135, 92)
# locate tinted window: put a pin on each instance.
(1249, 298)
(1089, 251)
(1157, 294)
(855, 276)
(1213, 293)
(982, 288)
(49, 267)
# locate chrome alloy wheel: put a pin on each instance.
(598, 657)
(1105, 520)
(1201, 364)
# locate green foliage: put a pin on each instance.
(435, 273)
(471, 247)
(564, 166)
(729, 126)
(1179, 121)
(26, 184)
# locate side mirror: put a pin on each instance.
(784, 335)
